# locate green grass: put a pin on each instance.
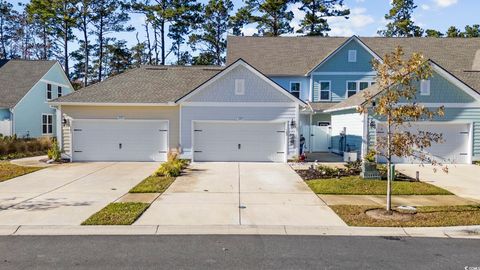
(426, 216)
(117, 214)
(355, 185)
(153, 184)
(9, 170)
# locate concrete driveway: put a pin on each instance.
(239, 194)
(67, 194)
(462, 180)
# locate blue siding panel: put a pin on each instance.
(339, 61)
(338, 85)
(4, 114)
(284, 81)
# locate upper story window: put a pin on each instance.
(49, 91)
(47, 124)
(425, 87)
(295, 89)
(59, 91)
(239, 87)
(325, 90)
(352, 56)
(354, 87)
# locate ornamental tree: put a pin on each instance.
(394, 102)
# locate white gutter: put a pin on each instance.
(341, 109)
(56, 103)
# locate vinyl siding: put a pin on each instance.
(190, 113)
(324, 117)
(28, 112)
(353, 122)
(170, 113)
(284, 81)
(4, 114)
(223, 89)
(339, 61)
(338, 85)
(443, 91)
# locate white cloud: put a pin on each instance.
(445, 3)
(358, 19)
(249, 30)
(425, 7)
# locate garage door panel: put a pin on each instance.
(239, 142)
(119, 140)
(453, 149)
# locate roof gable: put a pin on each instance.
(258, 87)
(17, 77)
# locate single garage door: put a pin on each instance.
(120, 140)
(230, 141)
(455, 146)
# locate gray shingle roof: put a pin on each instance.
(17, 77)
(147, 84)
(321, 106)
(299, 55)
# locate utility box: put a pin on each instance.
(349, 156)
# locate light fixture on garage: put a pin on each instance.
(292, 124)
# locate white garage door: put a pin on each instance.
(120, 140)
(455, 146)
(215, 141)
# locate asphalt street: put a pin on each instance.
(236, 252)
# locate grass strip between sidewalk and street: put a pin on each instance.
(124, 213)
(355, 185)
(9, 170)
(153, 184)
(426, 216)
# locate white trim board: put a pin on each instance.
(237, 104)
(55, 83)
(109, 104)
(241, 62)
(372, 73)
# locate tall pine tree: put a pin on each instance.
(401, 23)
(316, 11)
(271, 16)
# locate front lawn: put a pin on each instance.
(426, 216)
(355, 185)
(9, 170)
(153, 184)
(117, 214)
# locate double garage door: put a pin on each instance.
(234, 141)
(119, 140)
(453, 149)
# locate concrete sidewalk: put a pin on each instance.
(472, 232)
(397, 200)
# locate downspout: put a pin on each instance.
(12, 124)
(310, 133)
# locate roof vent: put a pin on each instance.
(476, 61)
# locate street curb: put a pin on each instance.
(471, 232)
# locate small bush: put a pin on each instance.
(54, 151)
(354, 167)
(370, 156)
(168, 169)
(328, 170)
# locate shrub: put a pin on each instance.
(168, 169)
(54, 151)
(354, 167)
(370, 156)
(327, 170)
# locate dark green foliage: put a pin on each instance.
(401, 23)
(316, 11)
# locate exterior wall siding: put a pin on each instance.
(353, 124)
(339, 61)
(191, 113)
(170, 113)
(28, 112)
(4, 114)
(284, 81)
(223, 89)
(338, 85)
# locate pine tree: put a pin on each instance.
(273, 19)
(315, 23)
(401, 23)
(8, 27)
(454, 32)
(472, 31)
(433, 33)
(211, 37)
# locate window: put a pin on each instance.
(352, 56)
(295, 89)
(325, 90)
(59, 91)
(351, 89)
(47, 124)
(49, 91)
(239, 87)
(425, 87)
(355, 87)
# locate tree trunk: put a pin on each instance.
(100, 55)
(44, 42)
(65, 46)
(155, 41)
(162, 32)
(148, 44)
(85, 41)
(389, 162)
(4, 49)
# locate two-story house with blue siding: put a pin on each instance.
(26, 87)
(328, 72)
